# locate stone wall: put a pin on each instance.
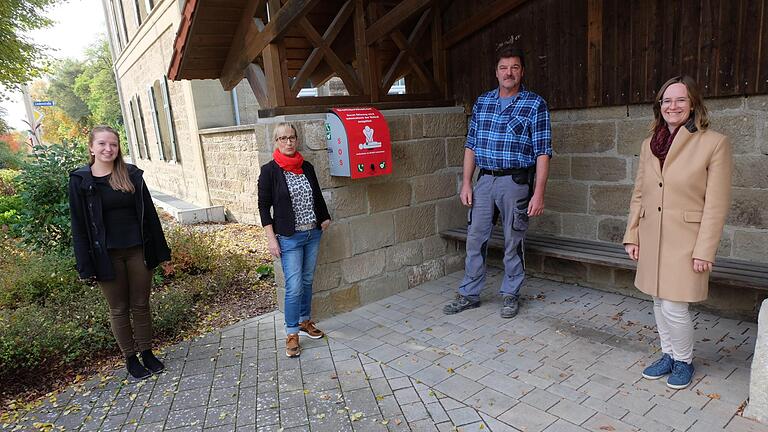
(231, 157)
(384, 236)
(591, 178)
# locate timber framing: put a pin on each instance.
(280, 46)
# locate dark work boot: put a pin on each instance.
(510, 307)
(136, 369)
(460, 303)
(151, 362)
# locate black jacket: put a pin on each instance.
(273, 194)
(88, 231)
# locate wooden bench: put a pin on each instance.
(726, 271)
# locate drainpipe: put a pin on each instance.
(236, 106)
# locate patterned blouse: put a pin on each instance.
(303, 202)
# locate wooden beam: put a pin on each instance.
(318, 52)
(439, 67)
(407, 52)
(258, 81)
(374, 12)
(255, 40)
(321, 106)
(594, 52)
(350, 81)
(414, 60)
(361, 47)
(394, 18)
(480, 20)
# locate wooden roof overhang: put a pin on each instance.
(280, 45)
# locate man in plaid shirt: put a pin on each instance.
(510, 141)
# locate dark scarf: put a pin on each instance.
(289, 163)
(662, 141)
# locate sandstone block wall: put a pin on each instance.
(384, 236)
(591, 178)
(232, 166)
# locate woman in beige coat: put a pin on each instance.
(679, 204)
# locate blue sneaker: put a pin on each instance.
(682, 374)
(659, 368)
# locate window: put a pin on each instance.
(137, 12)
(142, 8)
(162, 119)
(139, 130)
(122, 29)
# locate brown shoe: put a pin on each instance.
(292, 348)
(307, 328)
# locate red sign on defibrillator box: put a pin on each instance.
(358, 142)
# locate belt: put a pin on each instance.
(504, 172)
(306, 227)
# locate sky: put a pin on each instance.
(77, 23)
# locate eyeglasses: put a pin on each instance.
(285, 139)
(678, 101)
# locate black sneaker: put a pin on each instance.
(459, 304)
(151, 362)
(510, 307)
(136, 369)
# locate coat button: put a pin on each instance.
(660, 185)
(659, 208)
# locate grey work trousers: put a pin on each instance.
(512, 201)
(128, 297)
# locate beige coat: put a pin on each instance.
(677, 214)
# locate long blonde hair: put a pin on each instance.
(119, 179)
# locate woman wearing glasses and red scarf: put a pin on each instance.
(678, 209)
(294, 215)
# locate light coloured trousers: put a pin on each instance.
(675, 327)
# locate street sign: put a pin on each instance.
(43, 103)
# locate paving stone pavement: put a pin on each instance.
(570, 361)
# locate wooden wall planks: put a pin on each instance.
(584, 53)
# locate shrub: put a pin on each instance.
(29, 277)
(9, 210)
(192, 252)
(36, 337)
(10, 158)
(171, 310)
(7, 181)
(44, 220)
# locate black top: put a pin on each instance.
(274, 195)
(121, 222)
(89, 233)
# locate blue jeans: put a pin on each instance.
(298, 255)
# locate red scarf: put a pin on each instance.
(289, 163)
(662, 141)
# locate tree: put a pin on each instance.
(62, 89)
(96, 86)
(58, 126)
(21, 60)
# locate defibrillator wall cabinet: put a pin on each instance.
(359, 144)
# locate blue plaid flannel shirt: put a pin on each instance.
(512, 138)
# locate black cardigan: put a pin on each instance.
(273, 194)
(89, 235)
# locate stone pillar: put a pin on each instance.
(758, 381)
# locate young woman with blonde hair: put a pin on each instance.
(118, 241)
